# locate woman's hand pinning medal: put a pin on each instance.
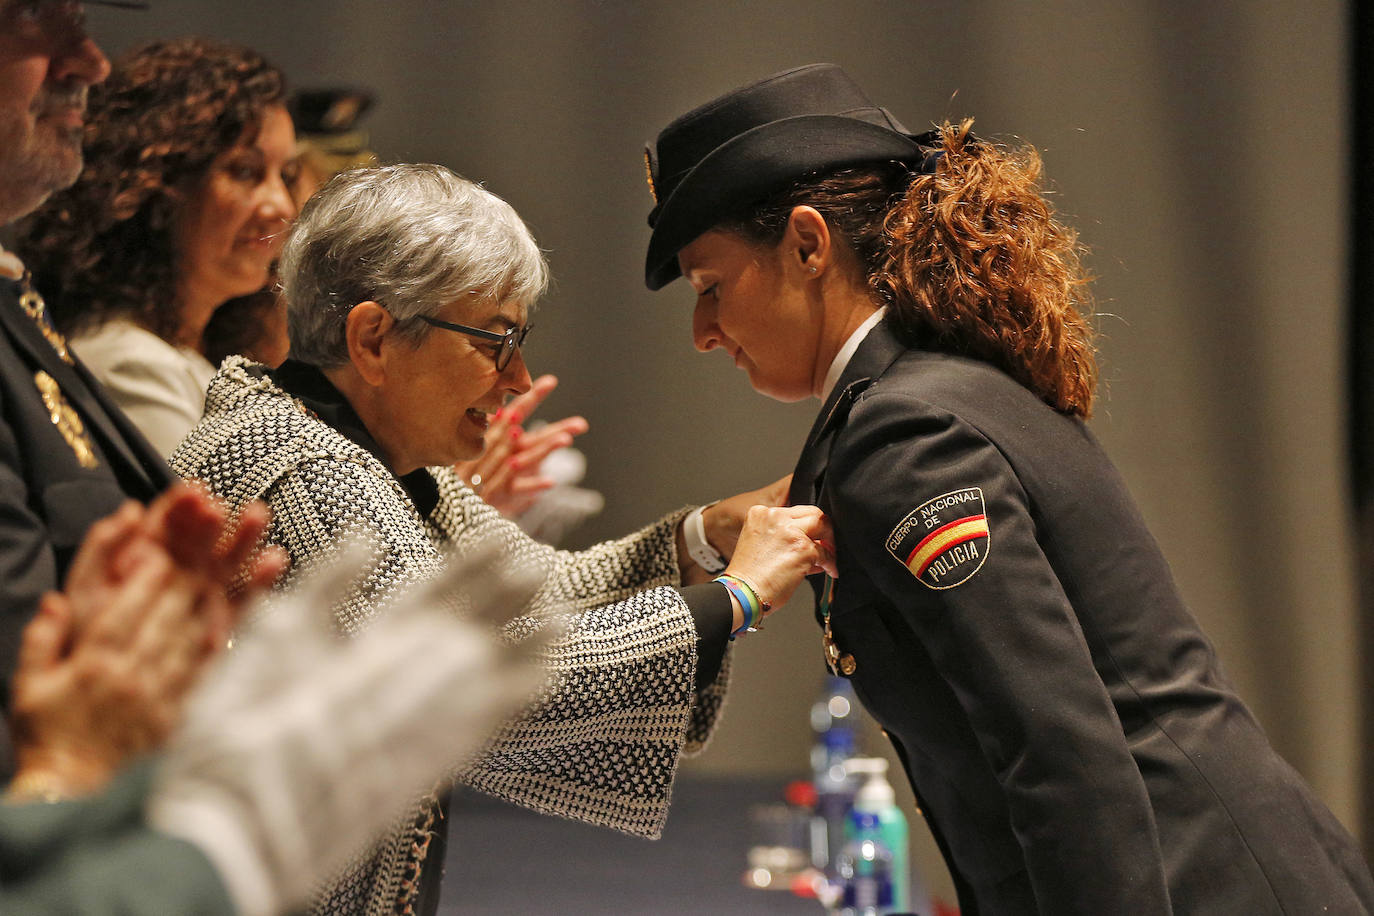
(770, 548)
(778, 547)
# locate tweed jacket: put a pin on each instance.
(602, 742)
(1016, 631)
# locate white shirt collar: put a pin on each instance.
(10, 265)
(846, 353)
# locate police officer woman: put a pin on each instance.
(1001, 608)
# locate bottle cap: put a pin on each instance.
(866, 766)
(876, 793)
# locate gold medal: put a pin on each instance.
(838, 662)
(65, 418)
(847, 665)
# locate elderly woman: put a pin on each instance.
(408, 292)
(1002, 610)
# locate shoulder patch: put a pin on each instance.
(945, 540)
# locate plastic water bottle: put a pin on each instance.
(865, 870)
(833, 721)
(875, 797)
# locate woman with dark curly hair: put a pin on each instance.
(183, 204)
(1000, 607)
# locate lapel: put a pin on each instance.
(878, 351)
(119, 439)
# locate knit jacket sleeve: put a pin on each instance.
(602, 743)
(602, 740)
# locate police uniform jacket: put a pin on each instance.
(51, 412)
(1017, 633)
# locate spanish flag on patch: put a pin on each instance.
(943, 541)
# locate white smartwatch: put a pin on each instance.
(698, 548)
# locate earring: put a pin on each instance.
(812, 269)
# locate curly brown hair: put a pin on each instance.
(970, 259)
(253, 326)
(104, 247)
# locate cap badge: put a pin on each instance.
(649, 173)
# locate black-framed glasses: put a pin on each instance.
(510, 341)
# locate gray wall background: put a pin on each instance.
(1199, 147)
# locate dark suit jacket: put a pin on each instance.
(1019, 637)
(47, 499)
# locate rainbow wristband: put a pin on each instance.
(749, 602)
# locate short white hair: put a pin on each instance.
(413, 237)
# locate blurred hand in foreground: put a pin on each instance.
(300, 746)
(106, 664)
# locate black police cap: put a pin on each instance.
(754, 141)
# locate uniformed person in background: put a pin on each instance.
(67, 455)
(1000, 607)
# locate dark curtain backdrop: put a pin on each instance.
(1201, 148)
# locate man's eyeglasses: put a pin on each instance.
(510, 341)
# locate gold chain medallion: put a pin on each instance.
(35, 308)
(65, 418)
(838, 662)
